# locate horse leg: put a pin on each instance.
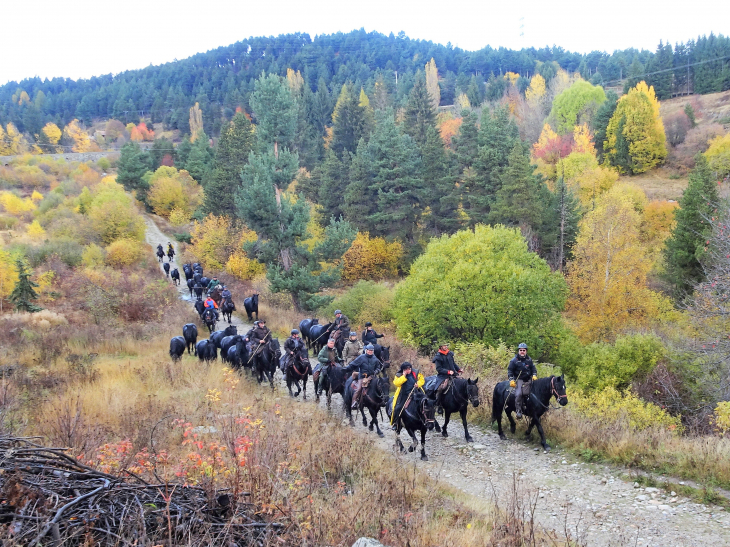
(414, 440)
(329, 398)
(423, 445)
(364, 419)
(543, 442)
(447, 417)
(348, 411)
(466, 427)
(499, 427)
(374, 414)
(530, 425)
(436, 426)
(398, 442)
(512, 423)
(288, 386)
(304, 387)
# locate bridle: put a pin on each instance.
(553, 391)
(558, 396)
(425, 419)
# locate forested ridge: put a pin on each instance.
(222, 80)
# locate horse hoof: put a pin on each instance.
(547, 448)
(410, 449)
(381, 434)
(469, 440)
(528, 435)
(371, 427)
(512, 430)
(503, 437)
(444, 434)
(424, 458)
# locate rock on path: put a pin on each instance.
(587, 500)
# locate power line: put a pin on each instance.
(673, 69)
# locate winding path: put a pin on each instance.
(589, 501)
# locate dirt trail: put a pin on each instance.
(588, 500)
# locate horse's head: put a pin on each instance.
(472, 391)
(385, 356)
(427, 412)
(230, 330)
(255, 299)
(558, 389)
(382, 390)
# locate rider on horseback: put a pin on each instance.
(210, 304)
(369, 336)
(408, 380)
(225, 294)
(292, 348)
(363, 369)
(260, 335)
(521, 372)
(327, 358)
(341, 326)
(249, 335)
(170, 249)
(446, 369)
(353, 348)
(213, 284)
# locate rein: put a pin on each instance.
(553, 391)
(256, 351)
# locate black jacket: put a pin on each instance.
(259, 334)
(365, 364)
(370, 336)
(445, 363)
(293, 345)
(521, 368)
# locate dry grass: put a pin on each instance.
(708, 108)
(658, 184)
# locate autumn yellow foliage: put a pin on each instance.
(79, 137)
(371, 259)
(8, 275)
(113, 213)
(16, 205)
(124, 252)
(241, 266)
(217, 243)
(93, 256)
(607, 276)
(172, 189)
(36, 196)
(36, 231)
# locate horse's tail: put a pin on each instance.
(496, 407)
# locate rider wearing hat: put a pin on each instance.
(446, 369)
(292, 348)
(327, 358)
(225, 294)
(363, 369)
(342, 325)
(213, 284)
(353, 348)
(260, 334)
(405, 383)
(249, 336)
(521, 372)
(369, 336)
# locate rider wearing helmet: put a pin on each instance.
(446, 369)
(363, 369)
(293, 348)
(328, 357)
(405, 383)
(369, 336)
(341, 326)
(225, 294)
(521, 372)
(210, 303)
(353, 348)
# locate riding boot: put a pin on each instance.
(518, 400)
(356, 395)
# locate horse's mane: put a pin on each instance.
(541, 386)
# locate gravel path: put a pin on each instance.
(588, 501)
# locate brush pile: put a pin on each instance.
(49, 498)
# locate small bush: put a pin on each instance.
(93, 256)
(124, 252)
(104, 164)
(241, 266)
(366, 301)
(7, 222)
(36, 231)
(16, 205)
(67, 250)
(183, 238)
(51, 201)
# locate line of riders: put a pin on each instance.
(358, 359)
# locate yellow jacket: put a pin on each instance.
(398, 381)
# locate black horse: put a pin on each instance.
(175, 276)
(198, 288)
(218, 336)
(266, 361)
(177, 348)
(237, 355)
(206, 350)
(170, 253)
(188, 271)
(298, 370)
(383, 355)
(457, 399)
(304, 326)
(197, 276)
(199, 307)
(418, 416)
(534, 406)
(335, 383)
(190, 335)
(374, 397)
(252, 306)
(191, 285)
(318, 334)
(160, 253)
(227, 309)
(204, 282)
(228, 342)
(166, 267)
(209, 319)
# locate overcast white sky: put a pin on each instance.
(82, 38)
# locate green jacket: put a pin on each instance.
(327, 355)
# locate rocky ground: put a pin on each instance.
(586, 502)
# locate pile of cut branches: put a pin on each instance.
(49, 498)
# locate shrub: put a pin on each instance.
(104, 164)
(16, 205)
(242, 267)
(371, 258)
(124, 252)
(7, 222)
(682, 157)
(721, 418)
(481, 286)
(480, 357)
(36, 231)
(183, 238)
(66, 249)
(610, 406)
(51, 201)
(93, 256)
(179, 217)
(171, 189)
(676, 127)
(718, 156)
(36, 196)
(365, 301)
(602, 365)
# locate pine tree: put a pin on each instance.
(684, 249)
(200, 158)
(234, 146)
(162, 150)
(561, 224)
(350, 121)
(439, 181)
(24, 292)
(601, 119)
(331, 178)
(280, 220)
(419, 112)
(466, 143)
(386, 195)
(133, 164)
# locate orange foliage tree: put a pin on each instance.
(371, 258)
